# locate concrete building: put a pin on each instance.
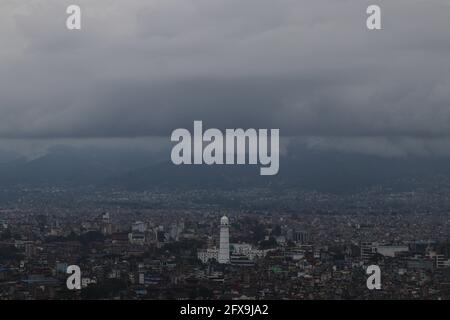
(369, 249)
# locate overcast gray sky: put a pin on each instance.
(311, 68)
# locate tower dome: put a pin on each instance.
(224, 220)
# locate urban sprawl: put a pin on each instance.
(156, 245)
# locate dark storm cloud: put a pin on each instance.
(309, 68)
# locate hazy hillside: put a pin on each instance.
(135, 169)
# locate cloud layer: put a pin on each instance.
(145, 68)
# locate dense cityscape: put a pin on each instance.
(163, 244)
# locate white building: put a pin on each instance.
(137, 238)
(369, 249)
(241, 248)
(139, 226)
(247, 250)
(391, 250)
(208, 254)
(224, 246)
(439, 260)
(240, 253)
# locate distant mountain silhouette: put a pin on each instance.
(306, 169)
(311, 170)
(71, 167)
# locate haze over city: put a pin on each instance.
(88, 180)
